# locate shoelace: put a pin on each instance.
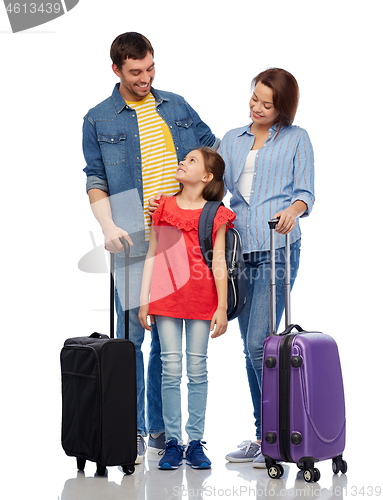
(246, 445)
(198, 444)
(178, 446)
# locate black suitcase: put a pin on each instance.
(99, 394)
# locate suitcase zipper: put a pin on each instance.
(284, 396)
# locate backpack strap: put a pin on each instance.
(205, 230)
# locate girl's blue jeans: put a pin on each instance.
(197, 334)
(254, 320)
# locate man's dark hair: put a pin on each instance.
(132, 45)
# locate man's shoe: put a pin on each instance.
(173, 456)
(195, 456)
(156, 444)
(259, 461)
(247, 452)
(141, 449)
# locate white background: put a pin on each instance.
(207, 51)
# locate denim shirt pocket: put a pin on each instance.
(112, 148)
(186, 132)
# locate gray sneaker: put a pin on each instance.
(156, 444)
(141, 449)
(259, 460)
(247, 452)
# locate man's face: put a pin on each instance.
(136, 76)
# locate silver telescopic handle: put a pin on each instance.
(287, 283)
(273, 314)
(273, 296)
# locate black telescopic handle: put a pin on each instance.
(126, 308)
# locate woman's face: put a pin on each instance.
(262, 110)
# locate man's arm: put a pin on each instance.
(99, 202)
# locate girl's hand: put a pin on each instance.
(143, 317)
(220, 322)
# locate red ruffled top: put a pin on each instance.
(182, 285)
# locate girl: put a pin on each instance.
(270, 173)
(182, 289)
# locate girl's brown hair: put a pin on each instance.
(214, 164)
(285, 93)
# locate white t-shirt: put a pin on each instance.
(245, 180)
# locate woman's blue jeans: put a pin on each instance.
(254, 320)
(197, 334)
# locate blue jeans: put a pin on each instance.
(197, 337)
(254, 321)
(153, 423)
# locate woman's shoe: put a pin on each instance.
(259, 460)
(195, 456)
(247, 452)
(173, 456)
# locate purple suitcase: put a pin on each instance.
(303, 408)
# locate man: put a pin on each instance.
(132, 144)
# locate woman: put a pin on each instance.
(269, 173)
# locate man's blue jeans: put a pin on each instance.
(154, 422)
(254, 321)
(197, 334)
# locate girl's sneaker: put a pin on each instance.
(195, 456)
(173, 456)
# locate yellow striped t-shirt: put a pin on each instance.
(158, 155)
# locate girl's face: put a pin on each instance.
(192, 169)
(262, 110)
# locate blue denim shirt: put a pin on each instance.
(111, 146)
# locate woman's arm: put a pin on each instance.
(146, 282)
(303, 192)
(219, 269)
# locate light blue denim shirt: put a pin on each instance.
(112, 152)
(283, 174)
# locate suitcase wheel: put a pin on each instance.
(101, 470)
(311, 475)
(81, 464)
(339, 465)
(128, 469)
(275, 471)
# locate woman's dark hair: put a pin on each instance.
(285, 93)
(132, 45)
(214, 164)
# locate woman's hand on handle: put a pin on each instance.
(287, 217)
